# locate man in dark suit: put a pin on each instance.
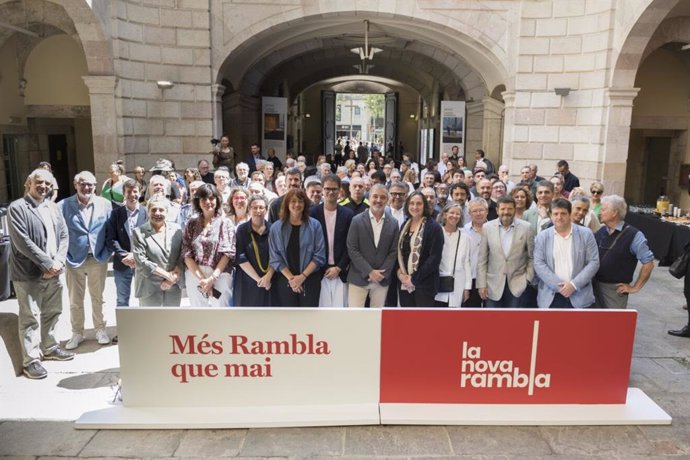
(118, 233)
(255, 154)
(372, 244)
(335, 221)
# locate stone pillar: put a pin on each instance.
(508, 125)
(217, 92)
(619, 106)
(491, 130)
(473, 132)
(103, 122)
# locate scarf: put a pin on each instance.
(415, 247)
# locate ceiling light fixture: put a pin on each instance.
(366, 53)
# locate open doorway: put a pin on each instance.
(359, 123)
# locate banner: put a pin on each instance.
(248, 357)
(452, 126)
(506, 356)
(274, 125)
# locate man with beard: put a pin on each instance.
(38, 254)
(505, 258)
(86, 216)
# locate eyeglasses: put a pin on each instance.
(596, 192)
(87, 184)
(397, 194)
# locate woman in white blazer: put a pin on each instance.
(456, 253)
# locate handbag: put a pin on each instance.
(447, 283)
(680, 266)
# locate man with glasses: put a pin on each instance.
(473, 229)
(222, 180)
(205, 171)
(335, 221)
(86, 216)
(37, 258)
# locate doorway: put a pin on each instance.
(657, 156)
(57, 147)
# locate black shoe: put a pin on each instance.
(35, 371)
(114, 340)
(685, 332)
(58, 354)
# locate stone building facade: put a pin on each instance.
(620, 64)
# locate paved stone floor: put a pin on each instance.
(36, 416)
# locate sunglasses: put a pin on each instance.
(596, 192)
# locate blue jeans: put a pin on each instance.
(508, 300)
(123, 285)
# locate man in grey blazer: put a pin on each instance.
(566, 258)
(372, 243)
(38, 253)
(505, 257)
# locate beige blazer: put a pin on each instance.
(495, 267)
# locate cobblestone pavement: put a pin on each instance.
(36, 416)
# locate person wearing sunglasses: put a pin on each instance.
(596, 191)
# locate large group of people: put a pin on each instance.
(336, 232)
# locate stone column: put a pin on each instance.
(217, 92)
(103, 121)
(508, 153)
(491, 130)
(619, 106)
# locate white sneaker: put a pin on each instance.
(102, 337)
(74, 342)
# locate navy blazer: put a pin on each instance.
(343, 218)
(426, 278)
(116, 237)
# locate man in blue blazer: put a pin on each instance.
(566, 258)
(335, 221)
(86, 216)
(118, 233)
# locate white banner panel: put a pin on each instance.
(176, 357)
(274, 125)
(452, 126)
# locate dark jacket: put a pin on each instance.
(343, 218)
(116, 238)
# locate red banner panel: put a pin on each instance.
(506, 356)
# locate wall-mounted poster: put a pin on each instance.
(274, 125)
(452, 126)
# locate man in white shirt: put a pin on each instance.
(398, 194)
(566, 258)
(372, 243)
(505, 258)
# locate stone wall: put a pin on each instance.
(163, 40)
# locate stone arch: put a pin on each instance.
(636, 42)
(74, 18)
(439, 35)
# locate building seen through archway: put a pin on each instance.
(599, 83)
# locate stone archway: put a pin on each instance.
(313, 46)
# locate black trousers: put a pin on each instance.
(417, 298)
(282, 294)
(475, 301)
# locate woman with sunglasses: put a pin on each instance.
(596, 190)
